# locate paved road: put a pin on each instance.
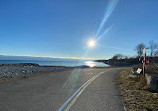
(75, 90)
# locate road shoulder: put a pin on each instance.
(135, 94)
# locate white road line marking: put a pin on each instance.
(79, 92)
(62, 107)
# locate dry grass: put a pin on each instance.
(135, 94)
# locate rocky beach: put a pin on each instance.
(24, 69)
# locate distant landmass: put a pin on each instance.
(127, 61)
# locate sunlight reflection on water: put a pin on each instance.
(94, 64)
(90, 63)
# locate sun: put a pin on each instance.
(91, 43)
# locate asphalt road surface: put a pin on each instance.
(92, 89)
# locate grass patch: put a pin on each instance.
(135, 93)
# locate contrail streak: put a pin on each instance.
(110, 7)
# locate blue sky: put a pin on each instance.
(61, 28)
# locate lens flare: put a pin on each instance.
(91, 43)
(73, 78)
(110, 7)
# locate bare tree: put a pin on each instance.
(156, 53)
(152, 47)
(139, 49)
(118, 56)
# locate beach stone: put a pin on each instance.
(25, 76)
(17, 70)
(152, 81)
(132, 76)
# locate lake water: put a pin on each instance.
(57, 63)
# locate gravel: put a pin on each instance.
(20, 70)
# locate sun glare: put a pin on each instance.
(90, 63)
(91, 43)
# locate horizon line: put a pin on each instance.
(51, 57)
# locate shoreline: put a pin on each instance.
(23, 70)
(11, 72)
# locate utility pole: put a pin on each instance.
(144, 53)
(144, 61)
